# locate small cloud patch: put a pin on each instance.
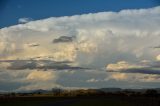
(24, 20)
(63, 39)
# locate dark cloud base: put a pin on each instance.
(63, 39)
(141, 71)
(40, 64)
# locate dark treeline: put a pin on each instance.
(130, 97)
(85, 92)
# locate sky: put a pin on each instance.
(98, 44)
(12, 10)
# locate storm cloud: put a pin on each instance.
(50, 52)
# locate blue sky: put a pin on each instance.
(12, 10)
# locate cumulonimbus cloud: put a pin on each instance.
(104, 36)
(100, 39)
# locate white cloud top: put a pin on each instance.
(126, 35)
